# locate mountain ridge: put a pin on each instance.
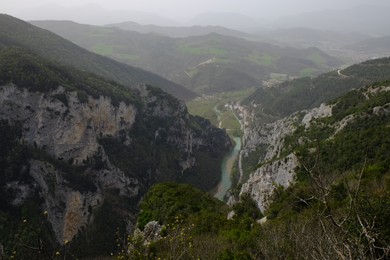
(318, 89)
(177, 31)
(18, 32)
(85, 150)
(205, 64)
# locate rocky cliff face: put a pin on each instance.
(84, 148)
(274, 162)
(274, 167)
(66, 130)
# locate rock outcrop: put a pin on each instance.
(275, 167)
(276, 161)
(84, 147)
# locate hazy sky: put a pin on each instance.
(186, 9)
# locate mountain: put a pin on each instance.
(304, 93)
(234, 21)
(96, 15)
(351, 47)
(53, 47)
(323, 170)
(378, 46)
(177, 31)
(366, 19)
(79, 151)
(322, 183)
(206, 64)
(308, 37)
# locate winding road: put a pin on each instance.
(341, 74)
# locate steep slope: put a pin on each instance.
(206, 64)
(303, 93)
(84, 150)
(57, 49)
(323, 184)
(344, 135)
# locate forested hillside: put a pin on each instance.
(101, 159)
(337, 206)
(206, 64)
(303, 93)
(78, 152)
(15, 32)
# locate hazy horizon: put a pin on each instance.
(182, 11)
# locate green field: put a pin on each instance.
(186, 48)
(307, 72)
(102, 49)
(209, 106)
(264, 59)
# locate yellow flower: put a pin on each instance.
(57, 253)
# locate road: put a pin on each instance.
(341, 74)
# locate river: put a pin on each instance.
(226, 170)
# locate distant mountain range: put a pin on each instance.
(367, 19)
(230, 20)
(177, 31)
(55, 48)
(206, 64)
(304, 37)
(377, 44)
(93, 14)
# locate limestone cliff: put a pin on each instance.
(274, 166)
(273, 144)
(85, 149)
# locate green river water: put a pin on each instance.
(226, 170)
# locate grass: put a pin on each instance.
(103, 49)
(230, 123)
(264, 59)
(205, 107)
(307, 72)
(117, 51)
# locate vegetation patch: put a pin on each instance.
(103, 49)
(317, 58)
(264, 59)
(189, 49)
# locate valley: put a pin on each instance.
(206, 64)
(195, 140)
(226, 170)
